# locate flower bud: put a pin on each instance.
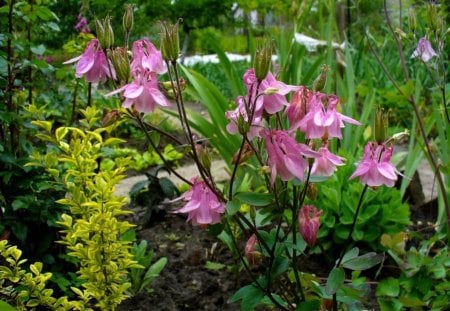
(262, 61)
(119, 59)
(412, 20)
(252, 255)
(432, 17)
(128, 18)
(105, 32)
(110, 118)
(320, 81)
(170, 43)
(203, 155)
(243, 125)
(380, 126)
(309, 222)
(311, 191)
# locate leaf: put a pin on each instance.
(250, 296)
(6, 307)
(60, 133)
(411, 302)
(253, 198)
(210, 265)
(153, 272)
(46, 125)
(38, 50)
(232, 207)
(335, 280)
(388, 287)
(350, 254)
(309, 305)
(364, 262)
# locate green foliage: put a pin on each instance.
(424, 281)
(338, 199)
(92, 230)
(141, 277)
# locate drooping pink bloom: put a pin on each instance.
(424, 50)
(203, 206)
(143, 93)
(309, 222)
(240, 115)
(299, 105)
(146, 57)
(274, 98)
(93, 64)
(375, 168)
(323, 119)
(250, 251)
(286, 157)
(325, 164)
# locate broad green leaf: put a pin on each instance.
(46, 125)
(335, 280)
(350, 254)
(4, 306)
(250, 296)
(232, 207)
(363, 262)
(60, 133)
(309, 305)
(388, 287)
(412, 302)
(253, 198)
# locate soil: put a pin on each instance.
(186, 283)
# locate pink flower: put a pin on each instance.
(299, 105)
(146, 57)
(375, 168)
(240, 115)
(143, 93)
(323, 119)
(286, 155)
(203, 206)
(274, 98)
(309, 222)
(250, 251)
(424, 50)
(325, 164)
(93, 64)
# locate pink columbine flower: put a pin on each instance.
(286, 155)
(146, 57)
(309, 222)
(274, 98)
(323, 119)
(250, 251)
(240, 115)
(424, 50)
(93, 64)
(375, 168)
(143, 93)
(299, 105)
(82, 24)
(203, 206)
(325, 164)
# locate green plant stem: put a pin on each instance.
(347, 243)
(419, 120)
(236, 164)
(89, 97)
(294, 251)
(149, 139)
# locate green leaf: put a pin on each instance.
(412, 302)
(38, 50)
(210, 265)
(46, 125)
(153, 272)
(364, 262)
(4, 306)
(334, 281)
(353, 253)
(253, 198)
(309, 305)
(250, 296)
(61, 132)
(388, 287)
(233, 207)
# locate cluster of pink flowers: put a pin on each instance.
(82, 24)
